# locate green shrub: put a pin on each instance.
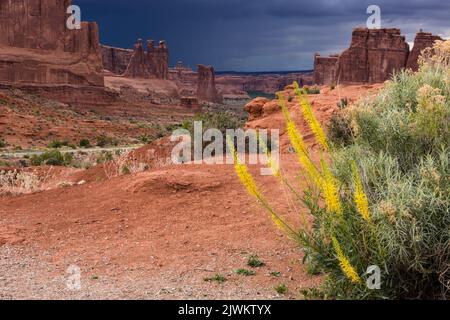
(85, 143)
(144, 139)
(217, 278)
(313, 90)
(2, 143)
(221, 120)
(340, 131)
(52, 158)
(106, 141)
(245, 272)
(254, 262)
(384, 199)
(343, 103)
(281, 288)
(104, 157)
(56, 144)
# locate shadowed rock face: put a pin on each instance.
(37, 48)
(423, 40)
(138, 68)
(374, 55)
(206, 85)
(115, 60)
(325, 69)
(138, 63)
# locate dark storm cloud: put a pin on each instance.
(255, 35)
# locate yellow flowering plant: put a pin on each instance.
(381, 200)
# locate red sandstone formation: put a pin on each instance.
(138, 66)
(36, 48)
(373, 56)
(115, 60)
(138, 63)
(190, 103)
(325, 69)
(423, 40)
(206, 86)
(158, 59)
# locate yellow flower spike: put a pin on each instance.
(345, 264)
(270, 162)
(359, 196)
(242, 172)
(310, 118)
(331, 190)
(298, 144)
(249, 183)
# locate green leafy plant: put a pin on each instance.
(383, 197)
(281, 288)
(245, 272)
(56, 144)
(85, 143)
(254, 262)
(216, 278)
(106, 141)
(52, 158)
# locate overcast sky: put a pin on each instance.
(255, 35)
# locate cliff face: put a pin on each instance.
(115, 60)
(206, 85)
(37, 48)
(423, 40)
(152, 63)
(325, 69)
(373, 56)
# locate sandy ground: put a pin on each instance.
(157, 234)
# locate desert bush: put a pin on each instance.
(145, 139)
(384, 198)
(106, 141)
(56, 144)
(2, 143)
(85, 143)
(123, 165)
(343, 103)
(14, 182)
(340, 130)
(52, 158)
(311, 90)
(221, 120)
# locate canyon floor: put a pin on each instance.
(157, 234)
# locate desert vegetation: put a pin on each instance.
(380, 196)
(19, 182)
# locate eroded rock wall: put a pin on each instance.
(373, 56)
(37, 48)
(325, 69)
(206, 85)
(422, 41)
(150, 62)
(115, 60)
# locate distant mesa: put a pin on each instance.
(373, 56)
